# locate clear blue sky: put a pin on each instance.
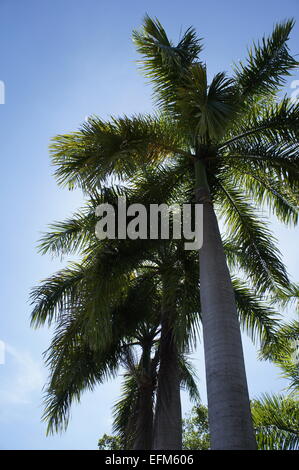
(62, 60)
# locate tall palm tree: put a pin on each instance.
(228, 121)
(169, 373)
(238, 143)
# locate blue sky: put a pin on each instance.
(62, 60)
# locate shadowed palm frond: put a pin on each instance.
(271, 122)
(189, 379)
(116, 148)
(257, 249)
(59, 293)
(125, 412)
(259, 320)
(74, 368)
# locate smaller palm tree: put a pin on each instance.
(101, 304)
(133, 413)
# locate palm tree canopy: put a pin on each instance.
(237, 126)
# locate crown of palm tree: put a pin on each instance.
(246, 137)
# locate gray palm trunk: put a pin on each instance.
(168, 413)
(144, 424)
(228, 400)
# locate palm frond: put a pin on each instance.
(61, 292)
(206, 109)
(259, 320)
(116, 148)
(69, 236)
(268, 64)
(273, 122)
(164, 63)
(267, 191)
(74, 368)
(276, 419)
(125, 412)
(258, 251)
(189, 379)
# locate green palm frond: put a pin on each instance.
(164, 63)
(207, 109)
(61, 292)
(95, 285)
(77, 365)
(69, 236)
(283, 350)
(272, 122)
(290, 368)
(268, 64)
(115, 148)
(267, 191)
(74, 368)
(276, 419)
(282, 347)
(125, 412)
(279, 163)
(291, 297)
(256, 317)
(189, 379)
(258, 252)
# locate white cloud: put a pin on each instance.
(21, 377)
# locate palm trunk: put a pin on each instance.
(144, 425)
(168, 414)
(228, 400)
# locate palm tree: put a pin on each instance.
(230, 124)
(106, 269)
(239, 144)
(76, 363)
(169, 380)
